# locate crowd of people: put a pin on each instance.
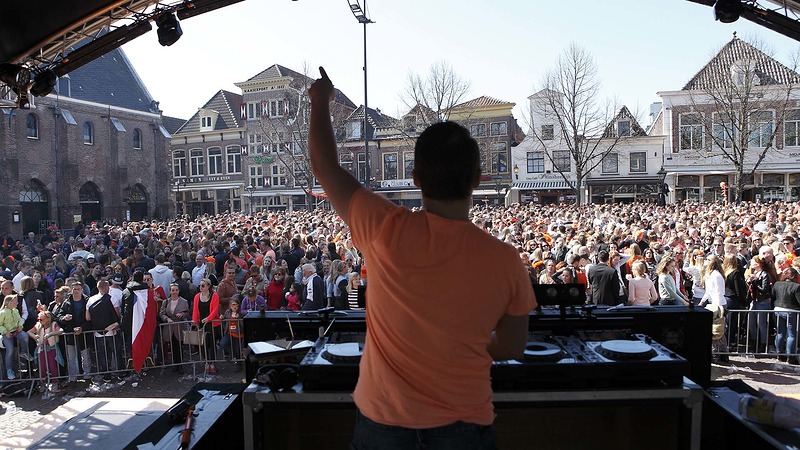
(212, 270)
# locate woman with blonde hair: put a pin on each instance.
(46, 333)
(714, 282)
(696, 269)
(338, 280)
(667, 288)
(641, 290)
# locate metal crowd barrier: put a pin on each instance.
(753, 333)
(107, 357)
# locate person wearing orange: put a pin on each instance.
(424, 312)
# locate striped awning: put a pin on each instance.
(543, 185)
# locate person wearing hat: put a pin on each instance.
(115, 291)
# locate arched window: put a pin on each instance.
(179, 163)
(32, 124)
(88, 133)
(137, 139)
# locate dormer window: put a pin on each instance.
(743, 72)
(623, 128)
(205, 123)
(354, 130)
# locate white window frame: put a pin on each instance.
(408, 165)
(277, 108)
(179, 163)
(535, 162)
(761, 128)
(354, 129)
(277, 175)
(254, 110)
(233, 158)
(691, 129)
(724, 131)
(791, 128)
(215, 161)
(197, 162)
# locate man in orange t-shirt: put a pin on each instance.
(445, 298)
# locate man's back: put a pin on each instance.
(605, 284)
(437, 289)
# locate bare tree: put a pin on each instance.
(285, 134)
(435, 93)
(568, 122)
(735, 103)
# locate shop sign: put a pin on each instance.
(397, 183)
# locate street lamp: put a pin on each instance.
(516, 171)
(361, 15)
(250, 190)
(178, 199)
(497, 179)
(662, 195)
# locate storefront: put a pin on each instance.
(623, 190)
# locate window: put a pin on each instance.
(535, 162)
(276, 144)
(390, 166)
(205, 124)
(408, 165)
(215, 161)
(791, 128)
(32, 125)
(354, 130)
(253, 111)
(499, 129)
(137, 139)
(278, 108)
(691, 125)
(88, 133)
(254, 143)
(499, 157)
(610, 163)
(179, 163)
(548, 133)
(346, 161)
(638, 162)
(477, 130)
(562, 161)
(278, 175)
(233, 154)
(63, 87)
(623, 128)
(724, 133)
(760, 128)
(362, 167)
(197, 162)
(300, 173)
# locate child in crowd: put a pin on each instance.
(233, 337)
(46, 332)
(293, 297)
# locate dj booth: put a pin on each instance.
(634, 376)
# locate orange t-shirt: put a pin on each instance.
(437, 288)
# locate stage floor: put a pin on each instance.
(90, 422)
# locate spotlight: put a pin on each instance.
(169, 30)
(43, 83)
(14, 75)
(727, 11)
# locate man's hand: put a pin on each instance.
(322, 89)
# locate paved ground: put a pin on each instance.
(19, 413)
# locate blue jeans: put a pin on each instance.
(456, 436)
(757, 331)
(786, 339)
(10, 345)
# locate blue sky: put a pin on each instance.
(501, 46)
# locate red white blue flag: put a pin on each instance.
(144, 326)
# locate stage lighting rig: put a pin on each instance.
(197, 7)
(728, 11)
(169, 29)
(100, 46)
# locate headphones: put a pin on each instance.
(278, 377)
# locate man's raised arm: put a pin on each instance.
(338, 183)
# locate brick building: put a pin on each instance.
(92, 150)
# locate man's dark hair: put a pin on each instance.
(602, 256)
(138, 276)
(446, 161)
